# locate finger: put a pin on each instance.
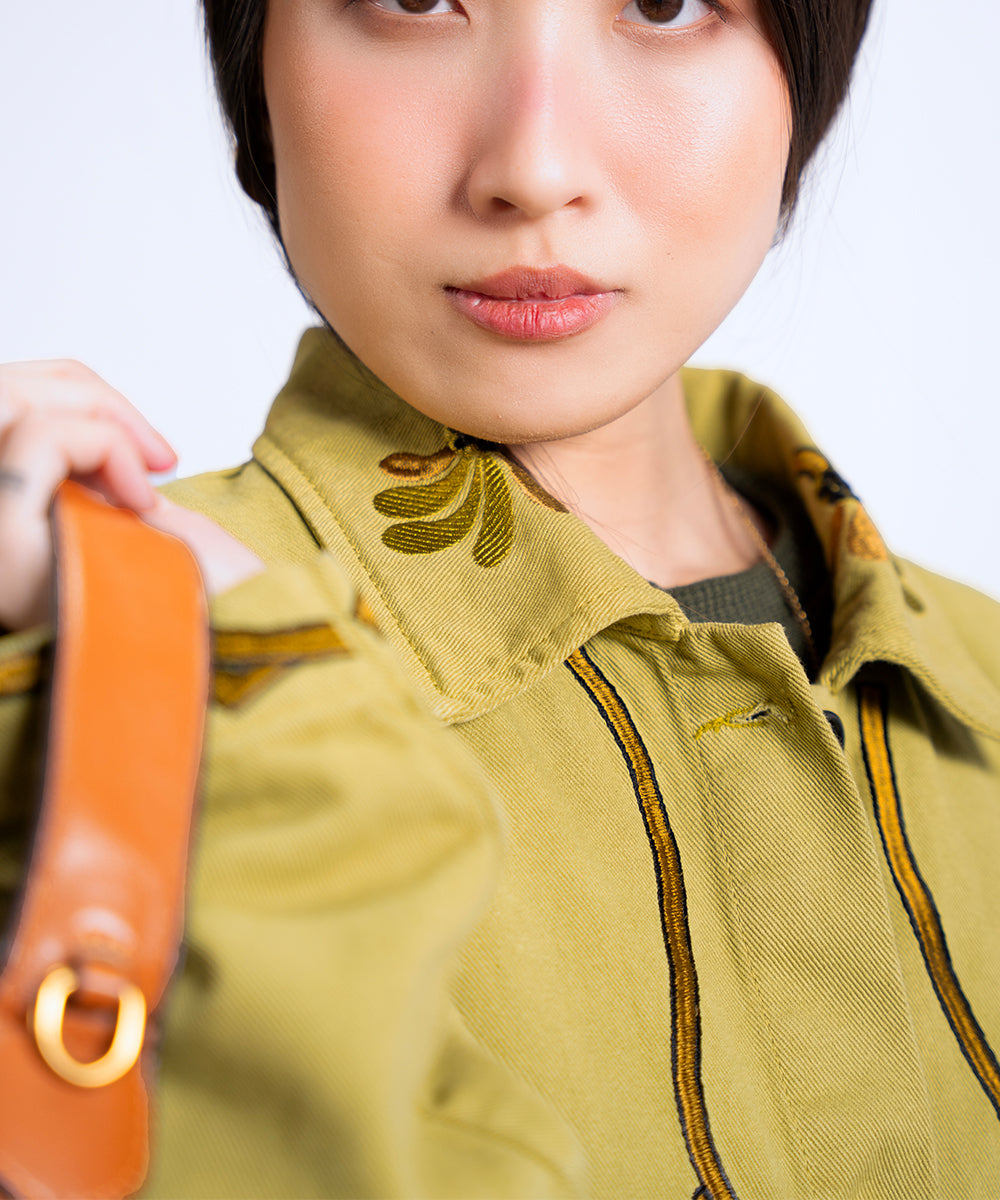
(36, 454)
(11, 410)
(41, 450)
(66, 384)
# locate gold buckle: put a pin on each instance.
(126, 1045)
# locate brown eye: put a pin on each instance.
(677, 14)
(660, 10)
(416, 8)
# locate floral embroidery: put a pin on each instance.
(829, 485)
(863, 539)
(463, 470)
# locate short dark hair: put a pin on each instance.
(816, 42)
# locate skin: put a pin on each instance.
(418, 152)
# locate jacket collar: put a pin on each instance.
(884, 610)
(489, 597)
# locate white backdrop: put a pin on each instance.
(125, 242)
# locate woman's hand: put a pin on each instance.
(60, 420)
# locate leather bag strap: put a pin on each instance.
(101, 914)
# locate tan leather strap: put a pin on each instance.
(105, 891)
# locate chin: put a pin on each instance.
(524, 414)
(535, 398)
(544, 423)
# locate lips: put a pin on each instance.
(532, 283)
(534, 304)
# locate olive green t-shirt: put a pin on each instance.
(754, 596)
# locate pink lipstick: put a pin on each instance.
(531, 305)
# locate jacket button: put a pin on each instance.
(837, 725)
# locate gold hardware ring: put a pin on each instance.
(50, 1012)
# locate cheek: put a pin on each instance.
(353, 170)
(318, 147)
(718, 145)
(746, 138)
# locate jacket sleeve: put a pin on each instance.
(346, 845)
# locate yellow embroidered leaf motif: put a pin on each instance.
(535, 489)
(420, 500)
(439, 480)
(417, 466)
(497, 529)
(423, 537)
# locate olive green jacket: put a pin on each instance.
(512, 882)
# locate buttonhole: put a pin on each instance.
(837, 725)
(745, 718)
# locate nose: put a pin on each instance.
(536, 151)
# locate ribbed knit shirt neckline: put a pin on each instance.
(754, 596)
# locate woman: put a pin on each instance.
(705, 702)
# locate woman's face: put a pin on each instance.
(524, 215)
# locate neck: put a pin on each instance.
(643, 485)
